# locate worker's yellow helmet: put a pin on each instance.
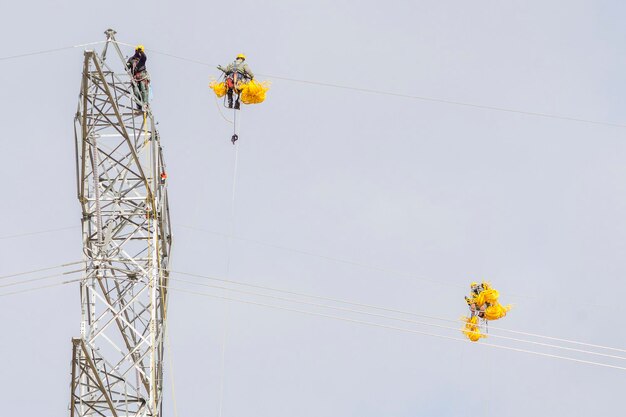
(473, 284)
(241, 56)
(139, 48)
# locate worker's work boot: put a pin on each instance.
(230, 104)
(236, 105)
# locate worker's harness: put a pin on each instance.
(236, 78)
(142, 76)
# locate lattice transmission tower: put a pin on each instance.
(117, 362)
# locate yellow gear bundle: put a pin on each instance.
(218, 88)
(471, 329)
(252, 92)
(484, 300)
(496, 311)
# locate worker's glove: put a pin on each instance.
(219, 67)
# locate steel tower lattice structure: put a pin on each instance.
(117, 362)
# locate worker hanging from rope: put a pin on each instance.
(239, 85)
(475, 290)
(141, 87)
(239, 80)
(484, 307)
(237, 74)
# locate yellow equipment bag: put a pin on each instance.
(496, 311)
(491, 296)
(218, 88)
(471, 329)
(254, 92)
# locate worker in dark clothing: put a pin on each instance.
(237, 73)
(137, 66)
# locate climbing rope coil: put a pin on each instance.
(485, 307)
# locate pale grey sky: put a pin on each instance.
(448, 193)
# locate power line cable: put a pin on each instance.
(40, 270)
(48, 51)
(344, 319)
(347, 320)
(402, 319)
(171, 368)
(40, 278)
(363, 305)
(330, 258)
(41, 287)
(445, 101)
(352, 88)
(567, 358)
(38, 232)
(312, 254)
(362, 265)
(390, 310)
(406, 96)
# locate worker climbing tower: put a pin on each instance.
(117, 362)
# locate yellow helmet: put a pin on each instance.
(139, 48)
(473, 284)
(241, 56)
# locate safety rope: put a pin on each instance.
(150, 203)
(219, 109)
(223, 357)
(235, 136)
(232, 200)
(227, 306)
(171, 367)
(145, 131)
(170, 355)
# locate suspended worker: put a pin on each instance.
(237, 73)
(137, 66)
(475, 290)
(484, 305)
